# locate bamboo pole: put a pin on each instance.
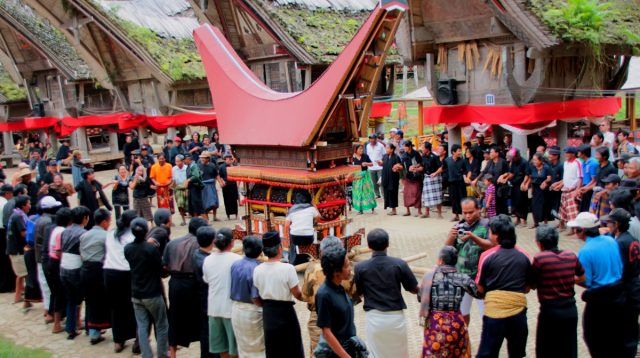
(419, 270)
(420, 118)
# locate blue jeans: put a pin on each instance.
(152, 310)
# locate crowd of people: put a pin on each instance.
(505, 180)
(91, 277)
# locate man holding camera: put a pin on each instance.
(470, 238)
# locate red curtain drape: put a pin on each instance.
(523, 115)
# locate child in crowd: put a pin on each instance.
(490, 196)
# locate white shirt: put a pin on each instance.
(572, 174)
(114, 257)
(179, 175)
(274, 281)
(216, 272)
(302, 221)
(375, 153)
(3, 202)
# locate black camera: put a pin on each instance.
(462, 228)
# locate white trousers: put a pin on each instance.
(44, 287)
(386, 334)
(246, 319)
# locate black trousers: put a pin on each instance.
(538, 203)
(557, 331)
(630, 330)
(585, 201)
(494, 331)
(457, 192)
(603, 324)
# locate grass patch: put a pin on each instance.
(9, 88)
(10, 350)
(592, 22)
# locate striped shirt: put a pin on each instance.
(554, 274)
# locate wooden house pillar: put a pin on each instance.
(420, 116)
(7, 137)
(520, 141)
(455, 137)
(79, 140)
(7, 141)
(631, 113)
(113, 142)
(563, 135)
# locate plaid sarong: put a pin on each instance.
(432, 191)
(142, 207)
(601, 206)
(569, 207)
(180, 196)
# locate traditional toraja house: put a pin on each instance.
(301, 140)
(522, 63)
(46, 70)
(146, 68)
(289, 43)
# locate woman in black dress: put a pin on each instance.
(390, 183)
(90, 194)
(518, 171)
(539, 179)
(120, 192)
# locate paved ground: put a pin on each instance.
(409, 235)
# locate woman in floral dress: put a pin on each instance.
(362, 196)
(441, 292)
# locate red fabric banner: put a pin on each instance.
(380, 109)
(530, 113)
(28, 123)
(119, 121)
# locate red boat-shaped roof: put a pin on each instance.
(250, 113)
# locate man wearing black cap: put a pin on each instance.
(277, 285)
(600, 204)
(375, 150)
(571, 182)
(618, 224)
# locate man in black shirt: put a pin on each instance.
(161, 233)
(496, 167)
(146, 289)
(432, 184)
(503, 279)
(378, 280)
(64, 153)
(552, 198)
(52, 170)
(17, 243)
(455, 168)
(127, 149)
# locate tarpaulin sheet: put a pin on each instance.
(523, 115)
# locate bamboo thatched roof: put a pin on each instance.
(320, 29)
(163, 28)
(46, 38)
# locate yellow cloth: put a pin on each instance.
(503, 304)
